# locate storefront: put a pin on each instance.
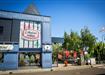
(29, 59)
(25, 40)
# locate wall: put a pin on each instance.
(10, 30)
(46, 45)
(10, 60)
(6, 23)
(15, 31)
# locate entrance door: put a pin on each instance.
(29, 59)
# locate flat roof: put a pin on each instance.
(20, 15)
(57, 39)
(24, 13)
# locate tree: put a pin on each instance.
(88, 40)
(65, 44)
(56, 48)
(74, 41)
(100, 51)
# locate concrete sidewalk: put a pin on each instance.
(59, 68)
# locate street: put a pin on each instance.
(89, 71)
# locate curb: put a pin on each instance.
(24, 71)
(59, 68)
(71, 68)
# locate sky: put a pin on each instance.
(66, 15)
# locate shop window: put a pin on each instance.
(29, 59)
(1, 57)
(1, 29)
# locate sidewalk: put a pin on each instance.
(59, 68)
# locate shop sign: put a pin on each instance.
(30, 34)
(47, 47)
(6, 47)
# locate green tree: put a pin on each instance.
(56, 48)
(66, 39)
(100, 51)
(74, 41)
(88, 40)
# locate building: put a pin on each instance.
(57, 40)
(25, 39)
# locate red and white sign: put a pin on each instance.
(30, 34)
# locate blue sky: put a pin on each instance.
(66, 15)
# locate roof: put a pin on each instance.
(31, 9)
(9, 11)
(17, 15)
(31, 13)
(57, 40)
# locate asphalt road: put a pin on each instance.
(90, 71)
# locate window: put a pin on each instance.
(1, 57)
(1, 29)
(29, 59)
